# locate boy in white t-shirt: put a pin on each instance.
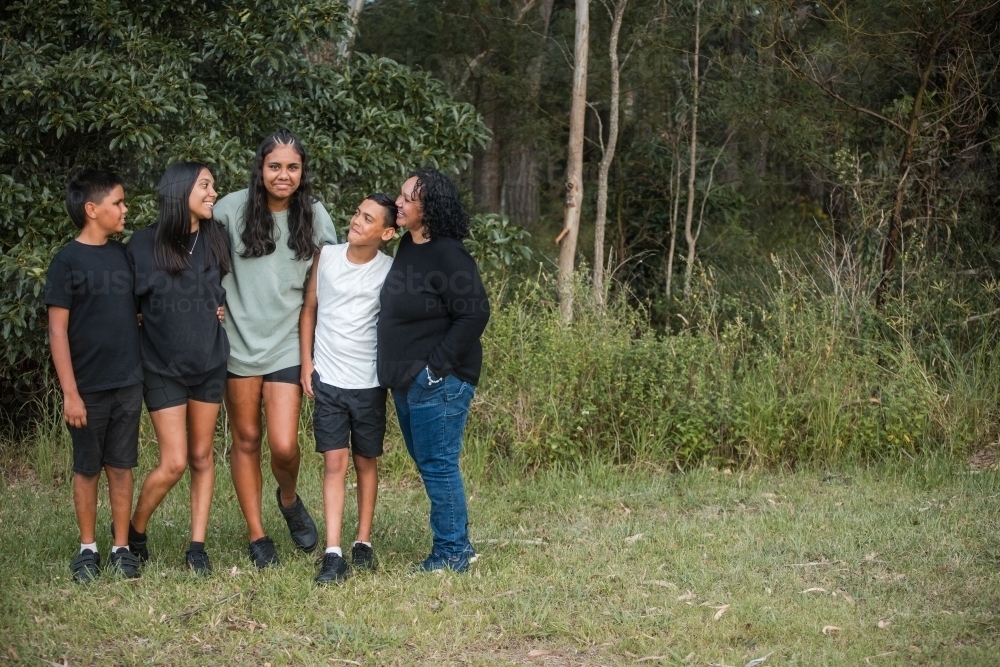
(337, 340)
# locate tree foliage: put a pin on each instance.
(133, 86)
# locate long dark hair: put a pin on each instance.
(258, 234)
(444, 215)
(173, 223)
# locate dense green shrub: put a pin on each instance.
(815, 377)
(133, 86)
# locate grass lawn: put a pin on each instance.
(602, 566)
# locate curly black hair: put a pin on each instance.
(443, 213)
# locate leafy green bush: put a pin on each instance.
(809, 377)
(133, 86)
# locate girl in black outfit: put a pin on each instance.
(178, 264)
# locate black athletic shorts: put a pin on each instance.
(111, 436)
(165, 392)
(288, 375)
(358, 413)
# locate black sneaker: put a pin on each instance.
(263, 554)
(334, 569)
(197, 561)
(362, 557)
(300, 524)
(125, 562)
(86, 566)
(137, 545)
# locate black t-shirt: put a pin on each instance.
(94, 282)
(434, 309)
(181, 333)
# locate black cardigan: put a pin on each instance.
(434, 308)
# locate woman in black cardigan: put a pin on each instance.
(434, 310)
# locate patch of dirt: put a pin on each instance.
(986, 458)
(16, 472)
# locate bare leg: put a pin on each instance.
(243, 400)
(282, 403)
(170, 425)
(201, 459)
(85, 502)
(120, 493)
(334, 478)
(367, 471)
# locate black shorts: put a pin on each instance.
(111, 436)
(358, 413)
(164, 392)
(288, 375)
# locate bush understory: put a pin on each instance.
(807, 376)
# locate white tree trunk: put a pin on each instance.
(607, 158)
(574, 163)
(690, 236)
(675, 199)
(353, 12)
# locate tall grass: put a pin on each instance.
(813, 374)
(810, 373)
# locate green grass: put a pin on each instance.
(596, 566)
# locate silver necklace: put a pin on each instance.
(191, 251)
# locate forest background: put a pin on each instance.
(799, 259)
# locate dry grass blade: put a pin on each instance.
(539, 652)
(830, 629)
(635, 538)
(759, 661)
(868, 660)
(722, 610)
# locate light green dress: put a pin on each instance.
(264, 294)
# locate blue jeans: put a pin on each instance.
(432, 418)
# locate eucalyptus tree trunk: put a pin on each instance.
(347, 43)
(608, 157)
(574, 163)
(675, 205)
(487, 182)
(521, 182)
(690, 236)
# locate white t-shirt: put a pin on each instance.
(348, 305)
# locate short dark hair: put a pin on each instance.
(389, 204)
(88, 185)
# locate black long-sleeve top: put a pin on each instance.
(434, 308)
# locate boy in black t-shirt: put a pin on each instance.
(94, 337)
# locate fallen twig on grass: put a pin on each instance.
(815, 563)
(536, 542)
(202, 607)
